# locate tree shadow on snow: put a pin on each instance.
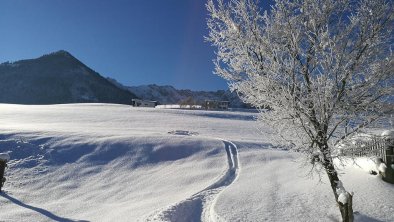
(364, 218)
(39, 210)
(357, 217)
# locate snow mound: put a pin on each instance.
(4, 157)
(79, 177)
(382, 167)
(389, 134)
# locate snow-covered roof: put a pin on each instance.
(4, 157)
(389, 134)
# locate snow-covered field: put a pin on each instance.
(96, 162)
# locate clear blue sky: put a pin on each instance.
(134, 41)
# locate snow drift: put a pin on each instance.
(96, 162)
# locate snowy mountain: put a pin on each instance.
(59, 77)
(56, 78)
(170, 95)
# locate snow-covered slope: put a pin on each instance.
(96, 162)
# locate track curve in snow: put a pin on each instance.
(200, 206)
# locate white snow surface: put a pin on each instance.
(382, 167)
(100, 162)
(389, 134)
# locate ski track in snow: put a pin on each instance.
(200, 206)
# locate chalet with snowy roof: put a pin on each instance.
(216, 105)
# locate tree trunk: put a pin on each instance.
(347, 208)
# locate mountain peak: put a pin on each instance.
(57, 77)
(61, 53)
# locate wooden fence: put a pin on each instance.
(374, 147)
(379, 147)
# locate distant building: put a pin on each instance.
(216, 105)
(143, 103)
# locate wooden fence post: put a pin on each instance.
(4, 158)
(389, 156)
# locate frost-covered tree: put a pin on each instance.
(322, 66)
